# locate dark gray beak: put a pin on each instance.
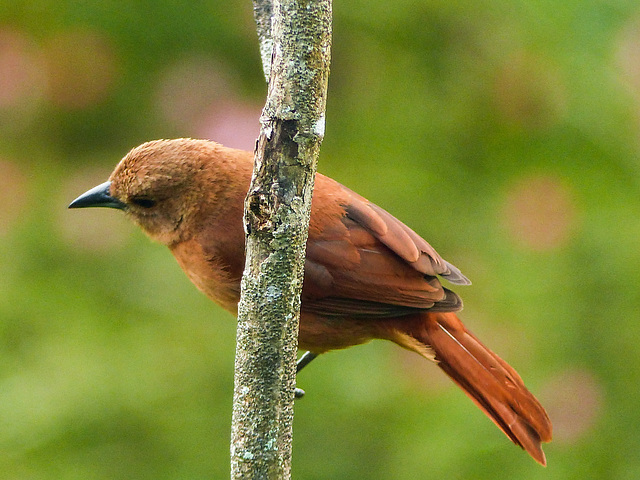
(97, 197)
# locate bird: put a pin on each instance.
(367, 275)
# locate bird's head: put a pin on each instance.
(160, 184)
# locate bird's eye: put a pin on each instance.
(144, 202)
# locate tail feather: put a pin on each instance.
(487, 379)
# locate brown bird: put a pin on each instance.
(367, 275)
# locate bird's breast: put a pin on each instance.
(208, 273)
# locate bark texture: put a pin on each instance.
(295, 39)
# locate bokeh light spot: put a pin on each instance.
(540, 212)
(22, 77)
(81, 68)
(13, 195)
(186, 88)
(529, 92)
(573, 400)
(628, 62)
(234, 124)
(196, 95)
(628, 56)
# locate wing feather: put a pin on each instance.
(369, 263)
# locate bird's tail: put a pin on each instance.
(487, 379)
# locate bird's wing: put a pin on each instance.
(363, 261)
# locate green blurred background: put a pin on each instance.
(505, 132)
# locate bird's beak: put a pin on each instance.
(98, 197)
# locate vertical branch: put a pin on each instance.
(263, 14)
(277, 211)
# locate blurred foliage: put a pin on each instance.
(504, 132)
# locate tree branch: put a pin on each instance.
(263, 14)
(277, 211)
